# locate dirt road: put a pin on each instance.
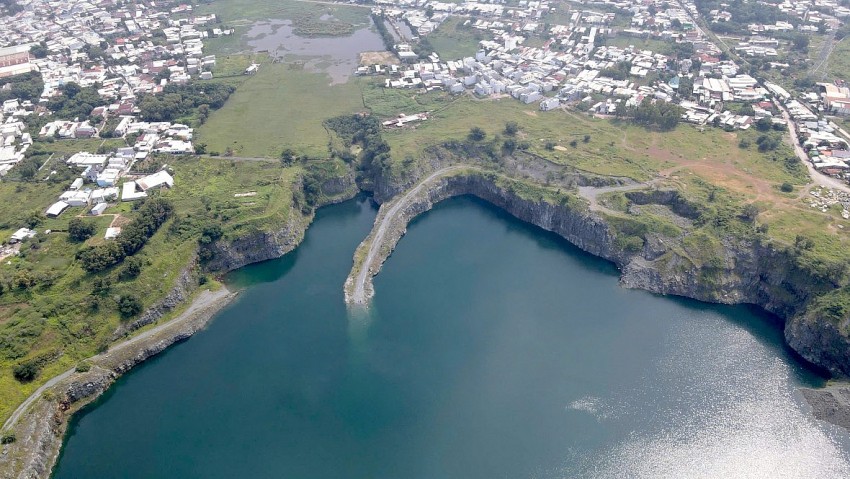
(382, 224)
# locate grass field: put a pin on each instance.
(655, 46)
(279, 107)
(453, 41)
(838, 66)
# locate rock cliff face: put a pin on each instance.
(743, 271)
(255, 247)
(43, 425)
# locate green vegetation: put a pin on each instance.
(453, 40)
(386, 36)
(838, 65)
(280, 107)
(55, 313)
(743, 14)
(180, 102)
(151, 215)
(75, 102)
(27, 86)
(79, 230)
(656, 46)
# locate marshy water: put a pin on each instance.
(492, 350)
(335, 55)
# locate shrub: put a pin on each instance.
(511, 128)
(79, 230)
(786, 187)
(26, 371)
(82, 367)
(8, 438)
(129, 306)
(476, 134)
(573, 143)
(132, 268)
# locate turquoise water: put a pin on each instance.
(492, 349)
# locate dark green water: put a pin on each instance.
(492, 350)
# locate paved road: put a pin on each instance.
(816, 176)
(204, 300)
(382, 224)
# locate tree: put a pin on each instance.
(287, 157)
(750, 212)
(79, 230)
(800, 42)
(476, 134)
(511, 128)
(70, 89)
(786, 187)
(132, 268)
(803, 243)
(39, 50)
(26, 371)
(129, 306)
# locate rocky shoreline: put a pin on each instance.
(41, 425)
(748, 273)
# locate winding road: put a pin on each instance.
(382, 224)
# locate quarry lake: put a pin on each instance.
(492, 350)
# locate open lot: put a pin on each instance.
(280, 107)
(453, 41)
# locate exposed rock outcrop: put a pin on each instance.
(741, 271)
(41, 428)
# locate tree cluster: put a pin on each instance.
(386, 36)
(656, 114)
(75, 102)
(151, 215)
(743, 13)
(178, 101)
(27, 86)
(363, 130)
(79, 230)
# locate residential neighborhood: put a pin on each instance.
(572, 65)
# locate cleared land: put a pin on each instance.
(280, 107)
(453, 41)
(694, 161)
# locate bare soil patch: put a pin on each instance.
(378, 58)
